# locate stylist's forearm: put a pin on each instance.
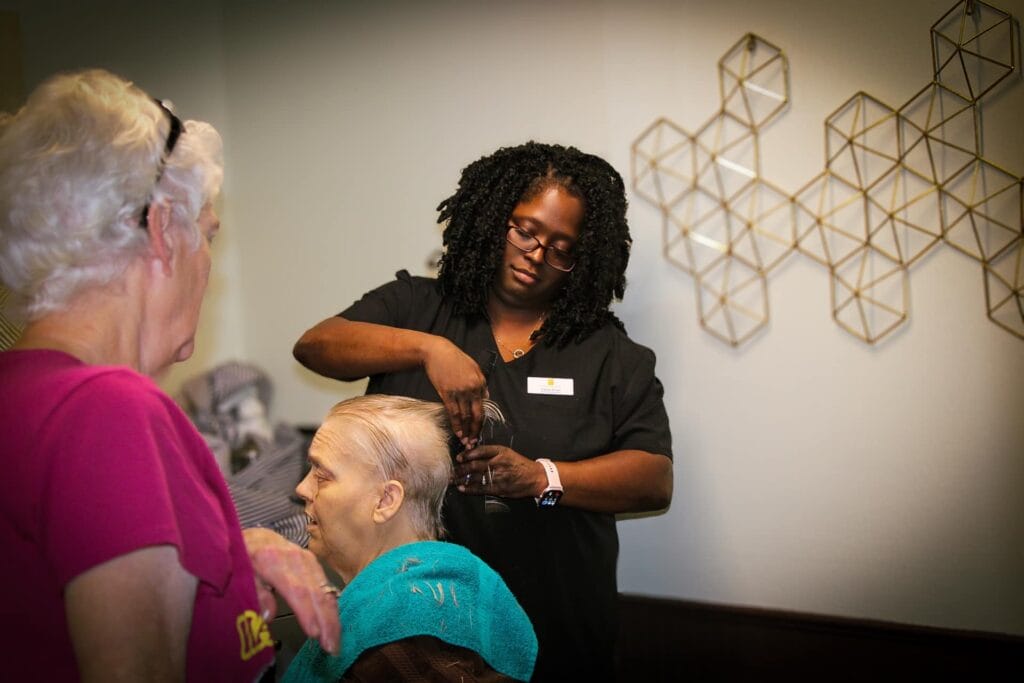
(348, 350)
(623, 481)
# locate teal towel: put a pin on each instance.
(428, 588)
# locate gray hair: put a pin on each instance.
(77, 165)
(400, 438)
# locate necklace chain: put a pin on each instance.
(516, 353)
(519, 352)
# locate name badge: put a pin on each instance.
(551, 386)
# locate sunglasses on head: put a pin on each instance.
(172, 139)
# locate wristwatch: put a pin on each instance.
(548, 498)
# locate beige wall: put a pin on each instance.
(813, 472)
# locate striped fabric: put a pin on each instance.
(9, 329)
(264, 490)
(263, 465)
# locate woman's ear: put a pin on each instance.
(390, 501)
(158, 221)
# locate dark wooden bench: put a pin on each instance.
(671, 640)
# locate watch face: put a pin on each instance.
(549, 499)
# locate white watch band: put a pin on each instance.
(554, 481)
(550, 496)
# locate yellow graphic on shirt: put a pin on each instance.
(253, 634)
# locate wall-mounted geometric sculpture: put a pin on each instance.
(898, 181)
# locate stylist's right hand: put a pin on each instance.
(462, 387)
(295, 574)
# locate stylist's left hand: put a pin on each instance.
(498, 471)
(294, 573)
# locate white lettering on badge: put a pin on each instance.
(550, 386)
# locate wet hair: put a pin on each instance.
(476, 219)
(399, 438)
(77, 165)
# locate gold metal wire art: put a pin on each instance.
(897, 182)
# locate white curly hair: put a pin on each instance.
(77, 165)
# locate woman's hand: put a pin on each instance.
(616, 482)
(348, 350)
(294, 573)
(498, 471)
(461, 385)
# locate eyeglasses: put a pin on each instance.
(553, 256)
(172, 139)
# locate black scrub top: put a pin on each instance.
(559, 562)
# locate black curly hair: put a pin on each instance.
(477, 220)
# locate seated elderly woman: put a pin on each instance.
(123, 556)
(413, 608)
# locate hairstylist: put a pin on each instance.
(536, 246)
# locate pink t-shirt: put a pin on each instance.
(96, 462)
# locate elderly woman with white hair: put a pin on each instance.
(413, 607)
(123, 556)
